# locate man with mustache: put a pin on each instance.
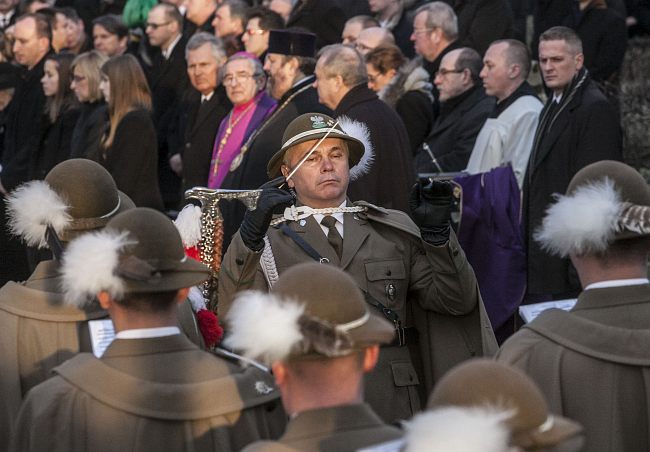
(416, 276)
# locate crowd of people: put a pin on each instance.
(420, 170)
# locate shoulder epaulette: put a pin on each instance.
(390, 217)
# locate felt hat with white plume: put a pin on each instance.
(605, 202)
(313, 127)
(313, 310)
(77, 196)
(138, 251)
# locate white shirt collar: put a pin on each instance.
(144, 333)
(557, 98)
(167, 53)
(339, 220)
(618, 283)
(207, 97)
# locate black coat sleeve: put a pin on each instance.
(416, 110)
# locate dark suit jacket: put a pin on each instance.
(454, 133)
(391, 174)
(324, 18)
(198, 127)
(89, 129)
(55, 142)
(23, 128)
(584, 131)
(132, 159)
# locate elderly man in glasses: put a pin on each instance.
(464, 107)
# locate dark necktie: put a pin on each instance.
(333, 236)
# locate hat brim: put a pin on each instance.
(562, 430)
(355, 148)
(83, 225)
(375, 331)
(185, 273)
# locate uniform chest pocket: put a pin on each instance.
(387, 281)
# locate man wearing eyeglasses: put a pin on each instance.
(256, 36)
(168, 81)
(464, 107)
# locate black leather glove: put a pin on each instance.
(256, 222)
(431, 210)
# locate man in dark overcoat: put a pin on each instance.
(415, 276)
(592, 362)
(168, 81)
(341, 81)
(200, 112)
(577, 126)
(324, 18)
(32, 37)
(464, 108)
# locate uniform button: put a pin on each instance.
(455, 252)
(239, 261)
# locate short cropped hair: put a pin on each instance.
(469, 58)
(268, 20)
(516, 53)
(43, 27)
(113, 24)
(563, 34)
(202, 38)
(441, 15)
(365, 21)
(172, 13)
(342, 60)
(238, 10)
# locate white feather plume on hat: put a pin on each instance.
(584, 222)
(359, 131)
(263, 327)
(33, 207)
(89, 264)
(458, 429)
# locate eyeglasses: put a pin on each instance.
(230, 78)
(255, 32)
(361, 48)
(156, 26)
(442, 72)
(372, 78)
(418, 31)
(78, 78)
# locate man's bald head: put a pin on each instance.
(373, 37)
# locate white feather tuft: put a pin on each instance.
(34, 206)
(89, 265)
(188, 223)
(458, 429)
(584, 222)
(197, 300)
(263, 327)
(359, 131)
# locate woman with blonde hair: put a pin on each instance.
(93, 119)
(128, 149)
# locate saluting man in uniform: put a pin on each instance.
(416, 277)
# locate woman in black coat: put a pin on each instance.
(129, 150)
(60, 115)
(404, 85)
(93, 120)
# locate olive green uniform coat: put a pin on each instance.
(155, 394)
(39, 332)
(431, 288)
